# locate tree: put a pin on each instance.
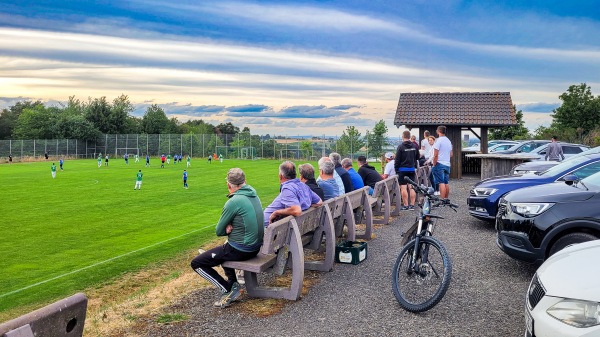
(73, 126)
(306, 148)
(518, 131)
(36, 123)
(227, 129)
(580, 109)
(155, 120)
(9, 117)
(119, 115)
(198, 127)
(350, 142)
(377, 139)
(97, 111)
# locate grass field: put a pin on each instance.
(88, 226)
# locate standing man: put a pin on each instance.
(61, 162)
(99, 161)
(554, 151)
(389, 170)
(185, 176)
(405, 164)
(162, 160)
(425, 146)
(137, 158)
(210, 159)
(106, 160)
(126, 157)
(241, 221)
(138, 181)
(442, 151)
(189, 163)
(294, 196)
(147, 160)
(53, 169)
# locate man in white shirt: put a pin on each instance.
(389, 170)
(442, 151)
(425, 146)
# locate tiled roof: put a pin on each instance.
(456, 108)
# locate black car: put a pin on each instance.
(536, 222)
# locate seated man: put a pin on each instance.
(389, 169)
(294, 196)
(241, 221)
(337, 161)
(357, 181)
(368, 173)
(327, 181)
(307, 176)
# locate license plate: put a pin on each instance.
(529, 324)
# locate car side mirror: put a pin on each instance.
(570, 179)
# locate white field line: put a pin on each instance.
(99, 263)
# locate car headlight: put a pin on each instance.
(580, 314)
(529, 209)
(484, 191)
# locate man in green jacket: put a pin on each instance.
(242, 222)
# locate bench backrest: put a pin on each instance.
(276, 236)
(336, 206)
(309, 220)
(356, 197)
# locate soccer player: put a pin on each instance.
(147, 160)
(106, 160)
(162, 160)
(221, 157)
(137, 158)
(60, 162)
(185, 176)
(138, 181)
(99, 161)
(189, 163)
(209, 158)
(53, 168)
(126, 157)
(169, 158)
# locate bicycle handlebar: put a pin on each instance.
(421, 190)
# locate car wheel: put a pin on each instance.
(570, 239)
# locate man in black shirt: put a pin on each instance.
(368, 173)
(337, 161)
(407, 157)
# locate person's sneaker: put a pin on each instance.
(239, 274)
(404, 208)
(201, 251)
(229, 297)
(436, 193)
(411, 207)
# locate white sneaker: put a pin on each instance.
(436, 193)
(239, 274)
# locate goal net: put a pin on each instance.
(131, 151)
(236, 152)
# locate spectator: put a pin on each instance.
(368, 173)
(336, 176)
(436, 187)
(413, 139)
(294, 196)
(241, 221)
(337, 162)
(389, 170)
(307, 176)
(442, 152)
(327, 182)
(554, 151)
(426, 145)
(407, 158)
(357, 181)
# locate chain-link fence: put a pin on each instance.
(239, 146)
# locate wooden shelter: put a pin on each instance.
(457, 111)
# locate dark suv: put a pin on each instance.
(536, 222)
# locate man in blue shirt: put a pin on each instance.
(327, 181)
(294, 197)
(357, 181)
(185, 176)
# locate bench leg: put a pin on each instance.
(368, 219)
(327, 228)
(386, 207)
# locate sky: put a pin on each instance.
(296, 67)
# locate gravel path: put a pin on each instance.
(486, 296)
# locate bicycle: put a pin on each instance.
(423, 262)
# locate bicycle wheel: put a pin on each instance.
(420, 286)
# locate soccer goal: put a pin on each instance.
(132, 151)
(238, 152)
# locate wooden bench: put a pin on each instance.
(385, 195)
(280, 239)
(314, 224)
(357, 207)
(336, 207)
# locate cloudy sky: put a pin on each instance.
(296, 67)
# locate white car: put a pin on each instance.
(563, 298)
(569, 150)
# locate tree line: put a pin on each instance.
(576, 120)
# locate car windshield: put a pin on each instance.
(565, 165)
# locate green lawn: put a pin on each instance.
(88, 225)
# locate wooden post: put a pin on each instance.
(484, 139)
(454, 135)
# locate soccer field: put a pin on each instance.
(88, 225)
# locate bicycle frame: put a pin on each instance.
(425, 217)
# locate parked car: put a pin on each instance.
(525, 147)
(540, 165)
(499, 141)
(473, 148)
(500, 147)
(484, 196)
(534, 223)
(563, 298)
(569, 150)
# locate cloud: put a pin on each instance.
(344, 107)
(538, 107)
(248, 108)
